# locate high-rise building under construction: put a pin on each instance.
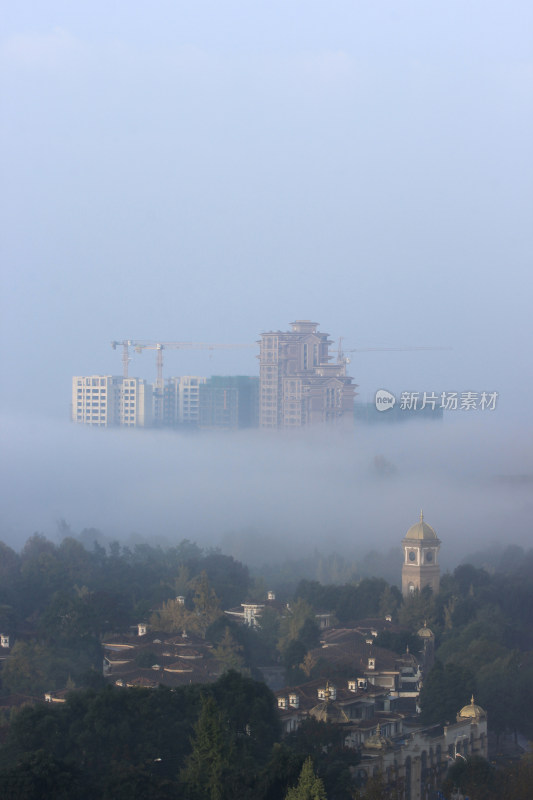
(298, 384)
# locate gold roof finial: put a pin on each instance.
(421, 516)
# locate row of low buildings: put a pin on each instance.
(297, 385)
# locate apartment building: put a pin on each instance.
(298, 384)
(181, 400)
(109, 400)
(229, 401)
(136, 407)
(96, 399)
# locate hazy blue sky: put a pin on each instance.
(205, 171)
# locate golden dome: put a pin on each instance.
(471, 712)
(377, 741)
(421, 530)
(425, 632)
(329, 711)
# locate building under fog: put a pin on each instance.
(229, 401)
(181, 400)
(298, 384)
(107, 400)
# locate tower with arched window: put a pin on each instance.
(420, 558)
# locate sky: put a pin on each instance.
(205, 172)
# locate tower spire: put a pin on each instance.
(421, 516)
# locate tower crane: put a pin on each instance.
(139, 346)
(341, 357)
(126, 344)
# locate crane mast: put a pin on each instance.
(125, 344)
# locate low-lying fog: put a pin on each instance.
(264, 496)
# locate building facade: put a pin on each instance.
(413, 759)
(181, 400)
(229, 401)
(420, 559)
(96, 400)
(298, 384)
(108, 400)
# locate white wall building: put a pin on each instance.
(109, 400)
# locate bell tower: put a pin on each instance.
(420, 558)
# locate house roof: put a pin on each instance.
(347, 648)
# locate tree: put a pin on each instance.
(475, 777)
(445, 691)
(210, 759)
(206, 603)
(390, 601)
(309, 786)
(173, 617)
(296, 624)
(28, 670)
(40, 775)
(417, 609)
(229, 653)
(250, 712)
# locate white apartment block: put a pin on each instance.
(109, 400)
(136, 403)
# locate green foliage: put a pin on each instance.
(445, 691)
(206, 603)
(417, 609)
(398, 642)
(210, 762)
(474, 777)
(250, 710)
(309, 787)
(229, 578)
(350, 601)
(324, 742)
(229, 653)
(146, 659)
(144, 738)
(266, 636)
(173, 617)
(34, 668)
(39, 775)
